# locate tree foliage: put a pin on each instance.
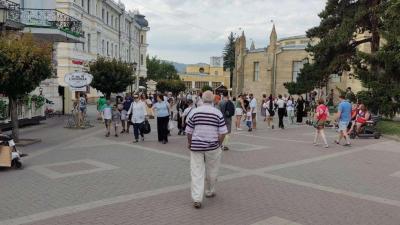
(111, 76)
(345, 26)
(206, 88)
(160, 70)
(174, 86)
(24, 63)
(229, 56)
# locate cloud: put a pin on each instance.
(191, 31)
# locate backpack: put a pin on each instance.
(229, 109)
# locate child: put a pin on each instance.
(107, 115)
(116, 119)
(249, 118)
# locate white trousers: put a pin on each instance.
(204, 168)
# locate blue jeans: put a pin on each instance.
(248, 123)
(137, 129)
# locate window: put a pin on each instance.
(116, 22)
(83, 44)
(141, 59)
(256, 75)
(107, 18)
(188, 84)
(102, 14)
(116, 50)
(127, 54)
(112, 20)
(88, 6)
(141, 39)
(200, 84)
(88, 42)
(216, 84)
(216, 73)
(83, 3)
(102, 47)
(107, 49)
(297, 66)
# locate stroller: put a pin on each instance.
(368, 130)
(6, 140)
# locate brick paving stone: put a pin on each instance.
(242, 201)
(148, 167)
(367, 172)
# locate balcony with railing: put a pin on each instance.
(10, 15)
(52, 24)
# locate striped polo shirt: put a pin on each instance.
(205, 124)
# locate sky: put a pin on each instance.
(191, 31)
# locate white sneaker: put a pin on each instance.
(239, 129)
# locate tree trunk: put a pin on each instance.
(375, 37)
(14, 118)
(231, 78)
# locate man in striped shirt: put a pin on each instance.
(206, 131)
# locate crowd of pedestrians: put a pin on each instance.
(206, 119)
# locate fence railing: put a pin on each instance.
(13, 10)
(52, 18)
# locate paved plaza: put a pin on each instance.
(269, 177)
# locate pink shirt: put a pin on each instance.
(322, 111)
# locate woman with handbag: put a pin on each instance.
(162, 109)
(138, 116)
(321, 115)
(269, 111)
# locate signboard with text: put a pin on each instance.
(77, 80)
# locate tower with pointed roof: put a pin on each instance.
(265, 70)
(252, 47)
(238, 75)
(271, 54)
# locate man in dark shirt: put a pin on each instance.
(124, 114)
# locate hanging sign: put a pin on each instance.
(78, 79)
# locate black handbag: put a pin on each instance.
(146, 128)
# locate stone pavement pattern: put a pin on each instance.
(269, 177)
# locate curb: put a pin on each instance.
(391, 137)
(23, 142)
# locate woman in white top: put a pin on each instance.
(139, 113)
(290, 109)
(269, 111)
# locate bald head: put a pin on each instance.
(208, 97)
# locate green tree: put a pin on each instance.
(174, 86)
(24, 63)
(343, 28)
(229, 56)
(111, 76)
(206, 88)
(160, 70)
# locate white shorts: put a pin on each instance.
(124, 115)
(239, 112)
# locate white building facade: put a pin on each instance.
(109, 30)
